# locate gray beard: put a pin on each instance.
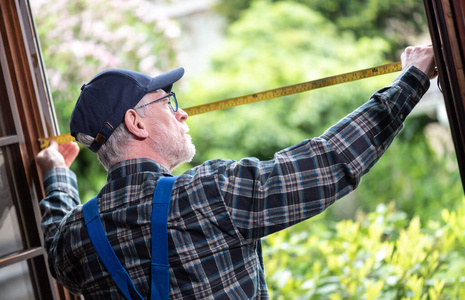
(175, 148)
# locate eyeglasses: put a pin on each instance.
(172, 102)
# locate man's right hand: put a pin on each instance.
(421, 57)
(57, 156)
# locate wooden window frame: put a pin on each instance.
(446, 21)
(32, 114)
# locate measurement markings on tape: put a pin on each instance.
(293, 89)
(267, 95)
(62, 138)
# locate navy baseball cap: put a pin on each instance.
(103, 101)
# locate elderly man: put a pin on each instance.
(218, 211)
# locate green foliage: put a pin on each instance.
(232, 10)
(415, 172)
(395, 20)
(381, 255)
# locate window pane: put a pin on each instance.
(15, 282)
(10, 234)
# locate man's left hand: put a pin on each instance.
(57, 156)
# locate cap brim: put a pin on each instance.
(165, 81)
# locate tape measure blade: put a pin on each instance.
(60, 139)
(44, 143)
(296, 88)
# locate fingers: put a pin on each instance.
(53, 145)
(50, 158)
(67, 148)
(422, 57)
(69, 151)
(57, 156)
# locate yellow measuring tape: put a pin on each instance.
(267, 95)
(60, 139)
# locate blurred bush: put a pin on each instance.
(380, 255)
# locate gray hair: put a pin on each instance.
(114, 149)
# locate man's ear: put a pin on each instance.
(135, 124)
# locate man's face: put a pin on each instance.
(168, 131)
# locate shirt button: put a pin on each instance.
(401, 116)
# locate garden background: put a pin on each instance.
(400, 235)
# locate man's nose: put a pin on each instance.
(181, 115)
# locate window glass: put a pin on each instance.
(15, 282)
(10, 234)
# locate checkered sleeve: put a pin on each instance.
(305, 179)
(61, 197)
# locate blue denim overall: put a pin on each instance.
(159, 231)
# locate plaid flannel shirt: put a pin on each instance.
(221, 209)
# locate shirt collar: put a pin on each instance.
(137, 165)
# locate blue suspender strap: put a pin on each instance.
(105, 252)
(159, 230)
